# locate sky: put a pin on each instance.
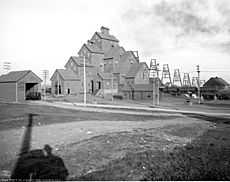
(41, 35)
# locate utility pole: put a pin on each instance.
(154, 74)
(198, 71)
(45, 76)
(7, 66)
(158, 86)
(112, 84)
(58, 78)
(84, 83)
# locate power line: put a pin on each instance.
(203, 45)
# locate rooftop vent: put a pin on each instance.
(90, 42)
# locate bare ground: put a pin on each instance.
(87, 141)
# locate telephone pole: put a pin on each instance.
(7, 66)
(45, 74)
(158, 86)
(198, 72)
(112, 84)
(154, 74)
(84, 82)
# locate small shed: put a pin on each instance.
(65, 82)
(16, 85)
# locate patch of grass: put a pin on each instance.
(207, 158)
(16, 115)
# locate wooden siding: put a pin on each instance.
(8, 92)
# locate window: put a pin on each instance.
(74, 68)
(143, 75)
(71, 64)
(107, 83)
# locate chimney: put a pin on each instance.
(105, 30)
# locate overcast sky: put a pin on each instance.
(43, 34)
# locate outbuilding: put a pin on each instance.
(17, 85)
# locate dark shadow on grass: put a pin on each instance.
(37, 164)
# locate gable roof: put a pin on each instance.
(134, 70)
(107, 37)
(15, 76)
(93, 48)
(215, 81)
(106, 76)
(122, 59)
(114, 51)
(79, 61)
(66, 74)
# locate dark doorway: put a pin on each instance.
(59, 89)
(68, 91)
(99, 85)
(31, 91)
(92, 86)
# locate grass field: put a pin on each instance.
(206, 158)
(122, 146)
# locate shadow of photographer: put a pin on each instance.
(38, 164)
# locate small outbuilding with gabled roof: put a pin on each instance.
(65, 82)
(17, 85)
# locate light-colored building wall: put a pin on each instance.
(72, 87)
